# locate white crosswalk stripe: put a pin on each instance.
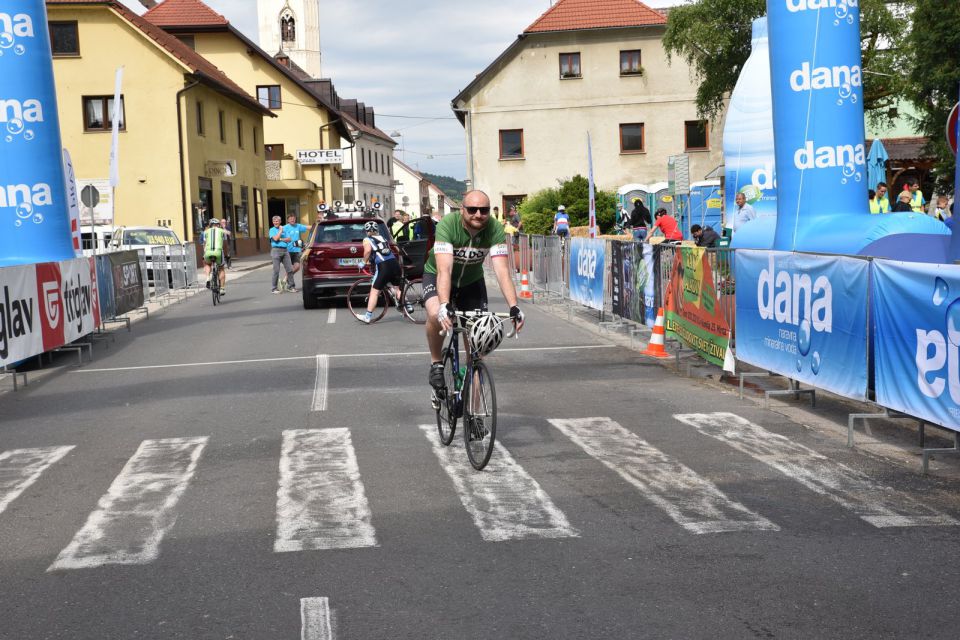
(315, 623)
(20, 468)
(321, 502)
(692, 501)
(873, 502)
(132, 518)
(503, 500)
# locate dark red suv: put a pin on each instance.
(333, 256)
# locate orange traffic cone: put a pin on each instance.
(525, 287)
(655, 348)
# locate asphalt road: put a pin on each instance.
(210, 477)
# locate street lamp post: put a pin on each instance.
(403, 154)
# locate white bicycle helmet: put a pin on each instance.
(486, 334)
(371, 226)
(561, 208)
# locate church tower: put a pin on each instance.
(293, 27)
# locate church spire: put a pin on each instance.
(292, 27)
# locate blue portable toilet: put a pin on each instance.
(705, 210)
(628, 192)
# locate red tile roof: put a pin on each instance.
(573, 15)
(178, 13)
(193, 60)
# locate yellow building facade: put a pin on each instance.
(305, 120)
(190, 145)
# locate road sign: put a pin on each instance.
(90, 196)
(952, 128)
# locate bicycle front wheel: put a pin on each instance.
(479, 415)
(412, 303)
(358, 295)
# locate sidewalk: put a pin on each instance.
(249, 263)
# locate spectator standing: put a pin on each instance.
(942, 211)
(705, 237)
(396, 222)
(668, 226)
(879, 201)
(744, 213)
(903, 203)
(917, 201)
(640, 220)
(279, 254)
(497, 216)
(294, 230)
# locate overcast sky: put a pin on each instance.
(409, 58)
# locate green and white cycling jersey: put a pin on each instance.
(468, 252)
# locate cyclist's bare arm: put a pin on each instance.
(444, 281)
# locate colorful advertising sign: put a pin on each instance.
(804, 317)
(692, 310)
(34, 217)
(632, 279)
(916, 311)
(587, 271)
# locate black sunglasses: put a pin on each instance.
(481, 210)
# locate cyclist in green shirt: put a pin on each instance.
(454, 272)
(214, 239)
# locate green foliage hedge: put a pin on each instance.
(537, 210)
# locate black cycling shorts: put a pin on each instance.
(471, 297)
(388, 272)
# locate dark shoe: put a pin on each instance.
(478, 430)
(208, 284)
(436, 376)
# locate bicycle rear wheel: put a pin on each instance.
(479, 415)
(412, 303)
(359, 294)
(447, 413)
(215, 284)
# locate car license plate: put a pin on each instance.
(351, 262)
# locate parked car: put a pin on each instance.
(150, 239)
(333, 256)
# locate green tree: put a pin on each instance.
(713, 38)
(537, 210)
(932, 48)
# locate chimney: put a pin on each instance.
(369, 119)
(149, 4)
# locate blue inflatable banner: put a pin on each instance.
(916, 311)
(587, 272)
(804, 317)
(34, 215)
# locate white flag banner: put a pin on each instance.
(73, 202)
(115, 118)
(593, 200)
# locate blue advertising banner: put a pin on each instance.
(587, 273)
(916, 311)
(804, 317)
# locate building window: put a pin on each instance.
(570, 65)
(98, 113)
(630, 63)
(222, 121)
(511, 143)
(201, 128)
(64, 39)
(240, 133)
(695, 135)
(631, 138)
(269, 96)
(288, 29)
(256, 141)
(363, 160)
(188, 40)
(274, 151)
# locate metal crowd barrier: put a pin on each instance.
(721, 270)
(190, 264)
(142, 254)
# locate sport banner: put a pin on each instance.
(632, 279)
(45, 306)
(587, 273)
(916, 311)
(804, 317)
(692, 311)
(127, 281)
(105, 286)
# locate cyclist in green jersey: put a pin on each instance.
(454, 272)
(213, 240)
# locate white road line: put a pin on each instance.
(319, 402)
(321, 503)
(692, 501)
(20, 468)
(315, 619)
(873, 502)
(138, 509)
(332, 316)
(332, 355)
(503, 500)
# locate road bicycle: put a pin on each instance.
(468, 392)
(215, 281)
(411, 303)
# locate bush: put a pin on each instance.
(537, 211)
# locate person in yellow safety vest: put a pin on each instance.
(401, 230)
(917, 202)
(880, 202)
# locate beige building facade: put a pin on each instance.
(527, 116)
